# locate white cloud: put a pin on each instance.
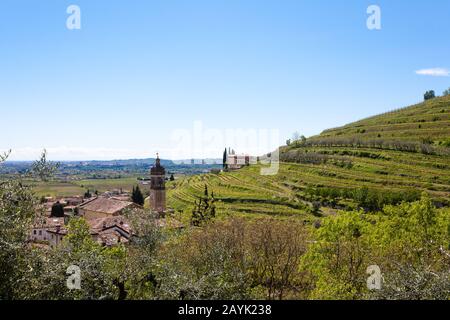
(434, 72)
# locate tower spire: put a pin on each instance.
(158, 161)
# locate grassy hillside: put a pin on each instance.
(376, 161)
(427, 121)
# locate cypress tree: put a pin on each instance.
(137, 196)
(224, 164)
(57, 210)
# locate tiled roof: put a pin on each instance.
(106, 205)
(108, 222)
(48, 222)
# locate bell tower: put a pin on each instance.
(158, 187)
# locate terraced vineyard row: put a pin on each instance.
(247, 192)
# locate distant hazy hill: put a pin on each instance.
(126, 162)
(109, 167)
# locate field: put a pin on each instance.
(79, 187)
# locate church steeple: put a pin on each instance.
(157, 186)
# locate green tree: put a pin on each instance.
(302, 138)
(234, 259)
(137, 196)
(43, 169)
(338, 258)
(203, 211)
(19, 207)
(57, 210)
(225, 159)
(141, 261)
(87, 194)
(429, 95)
(403, 240)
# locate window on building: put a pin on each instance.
(40, 232)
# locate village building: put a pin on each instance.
(235, 161)
(107, 231)
(110, 231)
(158, 187)
(44, 228)
(104, 207)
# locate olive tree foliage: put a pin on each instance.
(4, 156)
(18, 209)
(409, 282)
(204, 263)
(42, 168)
(139, 270)
(234, 259)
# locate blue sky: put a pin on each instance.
(138, 71)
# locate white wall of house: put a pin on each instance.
(39, 234)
